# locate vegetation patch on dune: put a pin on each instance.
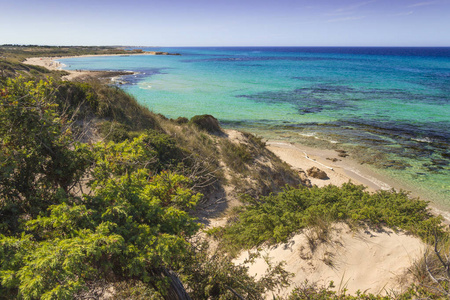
(274, 218)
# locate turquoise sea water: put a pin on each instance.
(390, 106)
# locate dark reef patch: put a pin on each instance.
(262, 58)
(307, 100)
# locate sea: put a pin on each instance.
(388, 107)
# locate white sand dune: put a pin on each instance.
(364, 260)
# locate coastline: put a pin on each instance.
(52, 63)
(375, 261)
(350, 254)
(340, 170)
(344, 169)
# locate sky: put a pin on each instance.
(226, 22)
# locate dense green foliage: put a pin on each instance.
(38, 158)
(276, 217)
(54, 240)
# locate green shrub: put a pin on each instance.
(39, 160)
(132, 225)
(114, 131)
(207, 123)
(215, 276)
(169, 154)
(276, 217)
(78, 98)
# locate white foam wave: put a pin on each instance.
(423, 140)
(309, 135)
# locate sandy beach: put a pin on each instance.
(53, 64)
(339, 169)
(377, 262)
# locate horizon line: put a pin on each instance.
(222, 46)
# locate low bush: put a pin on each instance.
(114, 131)
(168, 153)
(207, 123)
(276, 217)
(181, 120)
(215, 276)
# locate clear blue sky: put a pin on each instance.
(226, 22)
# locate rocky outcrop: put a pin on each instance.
(317, 173)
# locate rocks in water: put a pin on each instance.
(317, 173)
(396, 164)
(342, 153)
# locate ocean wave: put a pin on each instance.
(314, 135)
(422, 140)
(145, 86)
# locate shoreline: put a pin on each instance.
(343, 170)
(340, 171)
(52, 63)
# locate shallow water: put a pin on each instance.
(389, 106)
